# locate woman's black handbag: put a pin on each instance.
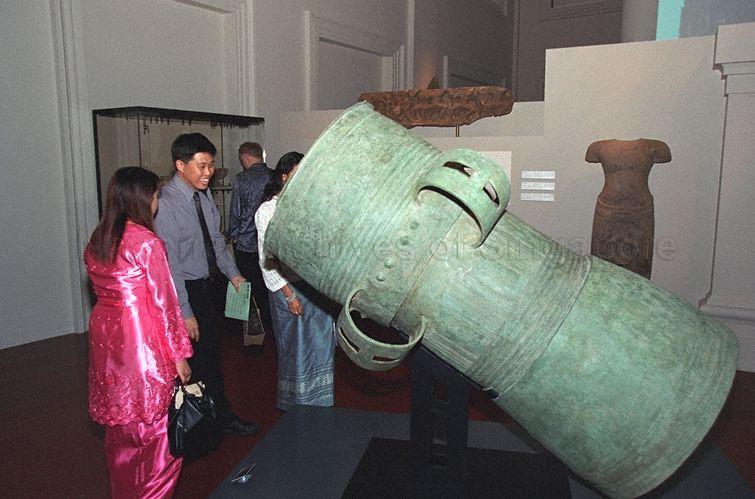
(193, 426)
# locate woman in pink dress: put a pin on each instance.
(138, 343)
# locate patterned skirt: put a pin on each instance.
(306, 348)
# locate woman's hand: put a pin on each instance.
(294, 304)
(295, 307)
(184, 371)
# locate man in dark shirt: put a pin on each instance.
(247, 196)
(189, 223)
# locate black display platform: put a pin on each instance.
(386, 470)
(314, 451)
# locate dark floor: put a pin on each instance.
(49, 448)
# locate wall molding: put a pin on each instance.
(497, 7)
(739, 77)
(410, 34)
(77, 149)
(464, 69)
(318, 29)
(730, 298)
(239, 41)
(728, 311)
(589, 8)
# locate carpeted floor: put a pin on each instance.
(51, 449)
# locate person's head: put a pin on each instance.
(194, 158)
(284, 170)
(250, 153)
(131, 195)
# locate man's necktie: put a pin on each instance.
(212, 265)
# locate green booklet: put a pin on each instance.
(237, 304)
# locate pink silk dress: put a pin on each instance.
(136, 335)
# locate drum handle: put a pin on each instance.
(367, 352)
(481, 186)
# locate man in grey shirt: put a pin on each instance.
(188, 222)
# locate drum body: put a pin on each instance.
(617, 377)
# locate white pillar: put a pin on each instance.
(638, 20)
(731, 298)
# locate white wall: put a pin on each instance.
(157, 53)
(545, 24)
(344, 74)
(77, 56)
(639, 20)
(427, 54)
(661, 90)
(281, 60)
(471, 31)
(35, 295)
(701, 17)
(161, 53)
(732, 294)
(467, 31)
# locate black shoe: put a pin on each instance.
(239, 426)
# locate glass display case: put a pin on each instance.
(141, 136)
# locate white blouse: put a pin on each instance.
(275, 274)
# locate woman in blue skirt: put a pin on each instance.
(304, 330)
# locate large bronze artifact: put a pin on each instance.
(617, 377)
(441, 106)
(623, 226)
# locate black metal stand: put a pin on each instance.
(439, 422)
(436, 462)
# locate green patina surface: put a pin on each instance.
(614, 375)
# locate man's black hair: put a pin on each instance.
(187, 145)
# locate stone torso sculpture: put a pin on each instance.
(623, 226)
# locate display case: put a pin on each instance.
(141, 136)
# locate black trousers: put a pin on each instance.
(205, 363)
(249, 266)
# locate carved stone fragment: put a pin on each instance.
(623, 226)
(441, 106)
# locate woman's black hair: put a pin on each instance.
(129, 197)
(287, 163)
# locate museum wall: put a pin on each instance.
(462, 30)
(702, 17)
(159, 53)
(732, 295)
(35, 296)
(544, 24)
(660, 90)
(474, 32)
(344, 73)
(280, 56)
